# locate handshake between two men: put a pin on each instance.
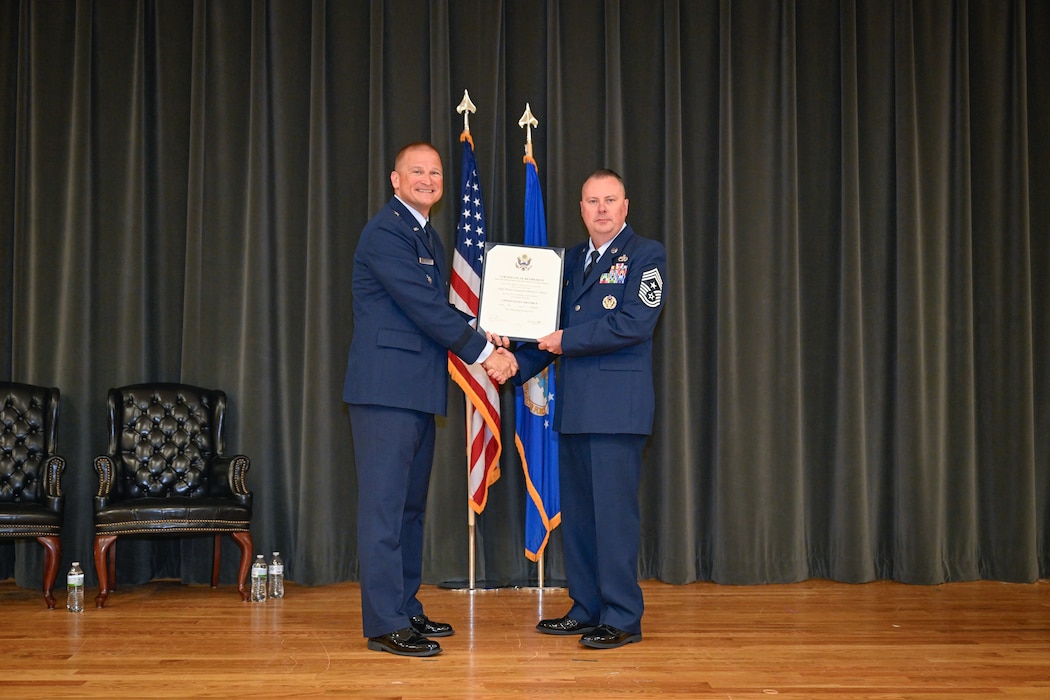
(501, 364)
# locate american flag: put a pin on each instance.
(484, 443)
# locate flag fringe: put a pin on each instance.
(549, 524)
(459, 376)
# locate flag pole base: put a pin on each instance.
(462, 584)
(548, 585)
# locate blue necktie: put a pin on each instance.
(590, 265)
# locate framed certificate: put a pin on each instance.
(521, 290)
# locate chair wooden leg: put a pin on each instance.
(244, 541)
(106, 570)
(52, 556)
(216, 558)
(112, 563)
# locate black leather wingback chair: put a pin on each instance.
(30, 472)
(165, 474)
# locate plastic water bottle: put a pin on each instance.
(75, 588)
(258, 579)
(276, 576)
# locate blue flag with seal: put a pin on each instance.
(534, 409)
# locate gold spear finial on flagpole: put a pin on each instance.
(466, 108)
(528, 121)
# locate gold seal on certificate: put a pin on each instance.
(521, 290)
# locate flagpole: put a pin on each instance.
(481, 392)
(472, 579)
(527, 122)
(465, 107)
(472, 557)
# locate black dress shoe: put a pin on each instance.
(608, 637)
(564, 625)
(428, 628)
(404, 642)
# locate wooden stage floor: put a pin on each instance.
(814, 640)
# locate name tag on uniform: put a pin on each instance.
(426, 261)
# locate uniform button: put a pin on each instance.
(576, 308)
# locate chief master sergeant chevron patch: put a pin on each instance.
(650, 291)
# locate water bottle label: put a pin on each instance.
(75, 580)
(276, 569)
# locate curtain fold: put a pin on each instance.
(853, 366)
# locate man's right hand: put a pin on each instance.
(501, 365)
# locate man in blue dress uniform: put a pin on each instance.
(396, 382)
(612, 298)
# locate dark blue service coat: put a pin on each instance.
(605, 379)
(403, 323)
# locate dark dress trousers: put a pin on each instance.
(396, 381)
(603, 414)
